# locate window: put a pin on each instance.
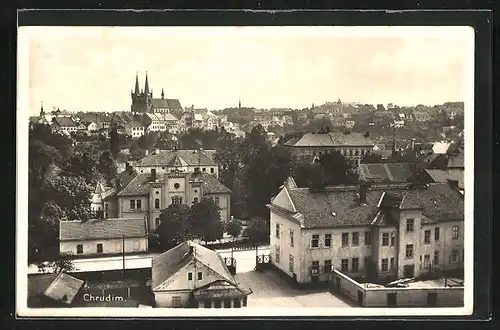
(344, 265)
(385, 239)
(176, 185)
(315, 241)
(99, 248)
(409, 251)
(138, 203)
(79, 249)
(455, 232)
(427, 261)
(118, 246)
(393, 239)
(392, 264)
(208, 303)
(195, 200)
(436, 258)
(237, 303)
(385, 264)
(244, 301)
(328, 266)
(409, 224)
(190, 276)
(277, 230)
(291, 238)
(176, 200)
(345, 239)
(216, 200)
(355, 264)
(328, 240)
(157, 221)
(454, 255)
(217, 303)
(212, 170)
(204, 169)
(132, 204)
(277, 254)
(136, 245)
(315, 267)
(368, 238)
(176, 302)
(227, 303)
(290, 265)
(427, 237)
(157, 203)
(436, 234)
(355, 238)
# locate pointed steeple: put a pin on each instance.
(146, 86)
(41, 109)
(162, 94)
(136, 90)
(239, 103)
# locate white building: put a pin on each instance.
(190, 275)
(110, 236)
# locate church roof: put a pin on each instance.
(172, 104)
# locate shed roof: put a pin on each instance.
(102, 229)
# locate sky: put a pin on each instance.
(94, 68)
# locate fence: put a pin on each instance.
(396, 297)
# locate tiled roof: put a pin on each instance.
(176, 161)
(385, 172)
(161, 116)
(139, 185)
(64, 121)
(438, 202)
(332, 139)
(122, 179)
(442, 176)
(191, 157)
(456, 161)
(102, 229)
(38, 283)
(64, 288)
(220, 289)
(170, 262)
(166, 103)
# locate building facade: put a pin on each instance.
(378, 232)
(190, 275)
(109, 236)
(143, 101)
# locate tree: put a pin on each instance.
(64, 263)
(82, 164)
(205, 221)
(115, 142)
(258, 230)
(107, 166)
(337, 169)
(174, 225)
(371, 159)
(233, 228)
(148, 141)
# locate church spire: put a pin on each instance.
(146, 87)
(136, 91)
(239, 103)
(162, 94)
(41, 109)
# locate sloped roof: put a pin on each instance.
(440, 147)
(385, 172)
(64, 288)
(456, 161)
(438, 202)
(102, 229)
(170, 262)
(220, 289)
(176, 161)
(442, 176)
(139, 185)
(64, 121)
(122, 179)
(332, 139)
(167, 116)
(191, 157)
(172, 104)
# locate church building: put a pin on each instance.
(143, 101)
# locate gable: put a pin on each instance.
(179, 280)
(283, 200)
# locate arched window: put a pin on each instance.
(157, 203)
(176, 200)
(195, 200)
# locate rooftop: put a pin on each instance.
(102, 229)
(58, 287)
(331, 140)
(385, 172)
(163, 157)
(170, 262)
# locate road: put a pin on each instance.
(244, 259)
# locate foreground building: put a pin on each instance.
(353, 146)
(109, 236)
(53, 290)
(378, 232)
(190, 275)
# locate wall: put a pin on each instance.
(109, 246)
(444, 245)
(164, 299)
(166, 169)
(412, 237)
(124, 210)
(224, 205)
(201, 303)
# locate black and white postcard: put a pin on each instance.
(245, 171)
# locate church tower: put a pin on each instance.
(42, 113)
(141, 99)
(148, 96)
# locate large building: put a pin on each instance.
(190, 275)
(352, 145)
(383, 231)
(149, 193)
(143, 101)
